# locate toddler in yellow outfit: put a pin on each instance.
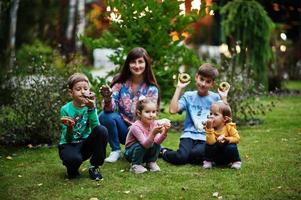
(221, 138)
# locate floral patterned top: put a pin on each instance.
(124, 99)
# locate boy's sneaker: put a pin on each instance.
(163, 150)
(138, 169)
(207, 164)
(153, 167)
(114, 156)
(95, 173)
(236, 165)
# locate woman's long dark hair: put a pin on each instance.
(125, 74)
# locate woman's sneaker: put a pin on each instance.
(207, 164)
(94, 173)
(236, 165)
(138, 169)
(114, 156)
(153, 167)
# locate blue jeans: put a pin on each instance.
(117, 128)
(222, 154)
(137, 154)
(190, 151)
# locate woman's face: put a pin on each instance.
(137, 67)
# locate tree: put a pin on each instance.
(247, 29)
(159, 28)
(80, 28)
(12, 31)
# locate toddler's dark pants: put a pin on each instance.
(93, 147)
(222, 154)
(190, 151)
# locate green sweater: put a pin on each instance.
(85, 122)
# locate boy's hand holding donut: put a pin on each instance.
(106, 92)
(89, 99)
(223, 89)
(183, 80)
(67, 121)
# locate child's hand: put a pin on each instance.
(222, 139)
(106, 92)
(165, 130)
(209, 123)
(67, 121)
(181, 84)
(157, 129)
(89, 99)
(223, 92)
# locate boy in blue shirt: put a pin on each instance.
(82, 136)
(197, 106)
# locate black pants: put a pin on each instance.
(190, 151)
(222, 154)
(94, 147)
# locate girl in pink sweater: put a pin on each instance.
(145, 136)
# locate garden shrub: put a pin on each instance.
(37, 90)
(36, 53)
(245, 95)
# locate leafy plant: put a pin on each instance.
(35, 91)
(245, 94)
(159, 28)
(247, 29)
(36, 53)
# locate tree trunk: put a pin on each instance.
(12, 31)
(71, 19)
(80, 27)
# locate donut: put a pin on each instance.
(184, 77)
(67, 120)
(224, 86)
(164, 122)
(105, 90)
(89, 95)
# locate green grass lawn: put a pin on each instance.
(292, 85)
(271, 156)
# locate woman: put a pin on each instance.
(119, 103)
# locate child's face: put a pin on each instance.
(203, 84)
(217, 117)
(148, 113)
(137, 67)
(77, 92)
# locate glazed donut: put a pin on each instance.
(223, 86)
(184, 77)
(67, 120)
(105, 91)
(89, 95)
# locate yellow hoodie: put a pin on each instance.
(229, 131)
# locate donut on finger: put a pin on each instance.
(224, 86)
(184, 77)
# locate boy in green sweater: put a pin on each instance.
(82, 136)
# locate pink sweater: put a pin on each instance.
(138, 133)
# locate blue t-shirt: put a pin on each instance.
(197, 110)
